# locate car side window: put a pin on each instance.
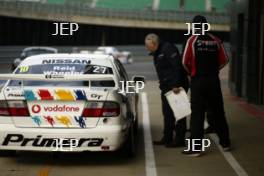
(122, 73)
(121, 70)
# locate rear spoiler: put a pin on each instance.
(57, 77)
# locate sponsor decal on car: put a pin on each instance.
(54, 76)
(36, 109)
(50, 120)
(80, 121)
(80, 95)
(64, 95)
(36, 120)
(29, 95)
(40, 141)
(64, 120)
(23, 69)
(56, 108)
(62, 70)
(65, 61)
(15, 95)
(45, 94)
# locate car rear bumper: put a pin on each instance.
(101, 138)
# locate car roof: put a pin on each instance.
(95, 59)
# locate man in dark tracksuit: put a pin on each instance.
(171, 76)
(209, 115)
(203, 57)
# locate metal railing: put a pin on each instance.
(86, 10)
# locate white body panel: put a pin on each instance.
(109, 135)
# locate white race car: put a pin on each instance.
(125, 57)
(62, 101)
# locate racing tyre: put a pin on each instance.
(129, 148)
(7, 153)
(136, 118)
(136, 126)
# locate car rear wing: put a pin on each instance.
(57, 77)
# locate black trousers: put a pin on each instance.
(169, 123)
(206, 94)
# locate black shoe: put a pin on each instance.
(174, 145)
(192, 153)
(209, 130)
(160, 142)
(226, 147)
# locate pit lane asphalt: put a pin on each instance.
(247, 134)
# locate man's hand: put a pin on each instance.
(177, 90)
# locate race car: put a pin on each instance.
(30, 51)
(68, 101)
(125, 57)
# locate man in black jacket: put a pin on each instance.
(204, 56)
(172, 76)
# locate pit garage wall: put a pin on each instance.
(247, 66)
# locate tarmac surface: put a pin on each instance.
(246, 123)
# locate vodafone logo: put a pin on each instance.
(56, 108)
(36, 108)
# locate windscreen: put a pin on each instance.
(63, 69)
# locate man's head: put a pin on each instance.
(152, 42)
(199, 19)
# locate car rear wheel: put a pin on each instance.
(7, 153)
(129, 147)
(136, 125)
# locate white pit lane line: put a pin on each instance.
(150, 164)
(230, 158)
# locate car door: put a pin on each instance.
(129, 91)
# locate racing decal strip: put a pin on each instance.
(150, 164)
(59, 94)
(45, 95)
(65, 120)
(36, 120)
(80, 95)
(50, 120)
(81, 121)
(64, 94)
(29, 95)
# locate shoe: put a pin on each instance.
(209, 130)
(192, 153)
(174, 145)
(226, 147)
(160, 142)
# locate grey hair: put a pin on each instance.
(153, 37)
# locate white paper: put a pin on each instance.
(179, 104)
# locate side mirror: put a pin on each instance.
(138, 79)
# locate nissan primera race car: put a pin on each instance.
(68, 101)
